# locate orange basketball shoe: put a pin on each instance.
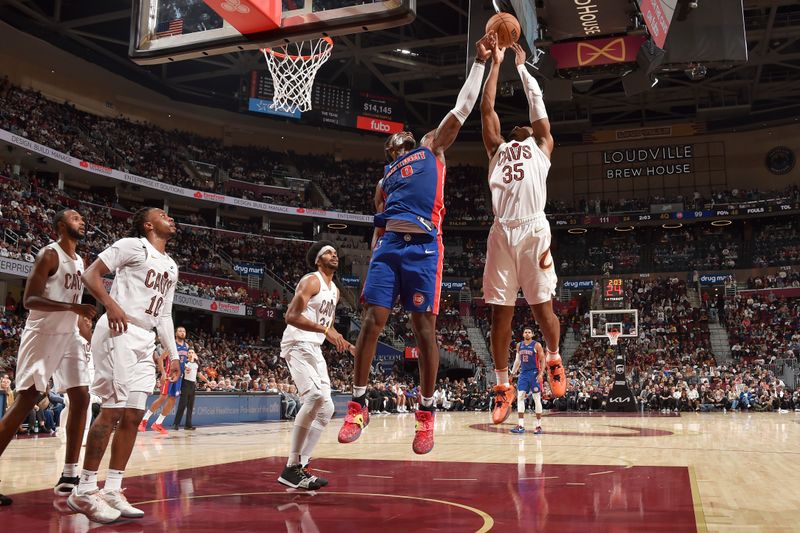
(357, 418)
(504, 397)
(423, 436)
(557, 377)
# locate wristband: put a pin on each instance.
(480, 61)
(326, 329)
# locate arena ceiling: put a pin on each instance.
(428, 80)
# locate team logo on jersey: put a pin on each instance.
(543, 264)
(418, 299)
(407, 171)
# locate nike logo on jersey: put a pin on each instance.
(428, 252)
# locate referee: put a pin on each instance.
(187, 391)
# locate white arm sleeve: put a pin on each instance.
(165, 327)
(536, 106)
(469, 93)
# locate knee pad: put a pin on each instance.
(537, 399)
(521, 401)
(324, 415)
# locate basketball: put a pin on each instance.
(506, 26)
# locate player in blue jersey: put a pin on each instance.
(170, 390)
(408, 252)
(529, 362)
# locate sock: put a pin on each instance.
(427, 402)
(521, 422)
(359, 392)
(314, 434)
(552, 355)
(147, 415)
(70, 470)
(502, 376)
(160, 419)
(114, 480)
(538, 422)
(88, 482)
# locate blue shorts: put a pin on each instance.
(408, 265)
(528, 382)
(172, 389)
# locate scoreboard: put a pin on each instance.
(334, 106)
(613, 293)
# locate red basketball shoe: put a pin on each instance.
(423, 437)
(357, 419)
(504, 397)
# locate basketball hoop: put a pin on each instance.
(613, 337)
(293, 67)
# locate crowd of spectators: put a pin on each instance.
(777, 244)
(763, 327)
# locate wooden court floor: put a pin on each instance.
(693, 472)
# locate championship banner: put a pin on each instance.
(177, 190)
(657, 16)
(571, 19)
(597, 51)
(248, 269)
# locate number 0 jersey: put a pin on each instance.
(518, 180)
(144, 282)
(320, 309)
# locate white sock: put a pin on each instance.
(160, 419)
(538, 422)
(88, 482)
(521, 422)
(114, 480)
(552, 355)
(359, 391)
(312, 438)
(70, 470)
(147, 415)
(427, 402)
(502, 376)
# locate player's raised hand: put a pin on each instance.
(117, 320)
(84, 310)
(483, 48)
(521, 56)
(498, 53)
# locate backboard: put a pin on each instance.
(175, 30)
(623, 321)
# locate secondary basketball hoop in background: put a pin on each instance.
(613, 336)
(293, 67)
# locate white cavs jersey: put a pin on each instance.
(63, 286)
(518, 180)
(145, 280)
(320, 309)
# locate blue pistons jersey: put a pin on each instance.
(528, 368)
(413, 191)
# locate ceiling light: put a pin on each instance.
(721, 223)
(672, 225)
(577, 231)
(623, 228)
(337, 225)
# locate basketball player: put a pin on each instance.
(529, 362)
(408, 252)
(309, 321)
(51, 345)
(170, 391)
(518, 246)
(123, 346)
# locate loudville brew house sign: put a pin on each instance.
(650, 161)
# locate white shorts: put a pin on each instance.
(518, 256)
(123, 363)
(307, 366)
(61, 356)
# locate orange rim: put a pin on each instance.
(281, 55)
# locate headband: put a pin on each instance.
(326, 248)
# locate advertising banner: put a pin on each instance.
(597, 51)
(249, 269)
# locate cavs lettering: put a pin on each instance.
(72, 282)
(160, 283)
(514, 152)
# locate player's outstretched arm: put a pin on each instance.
(538, 113)
(440, 139)
(490, 122)
(33, 299)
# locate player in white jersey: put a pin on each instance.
(123, 346)
(50, 344)
(309, 321)
(518, 246)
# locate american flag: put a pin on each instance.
(172, 27)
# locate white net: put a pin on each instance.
(293, 67)
(613, 337)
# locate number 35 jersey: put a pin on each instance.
(518, 180)
(321, 309)
(145, 280)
